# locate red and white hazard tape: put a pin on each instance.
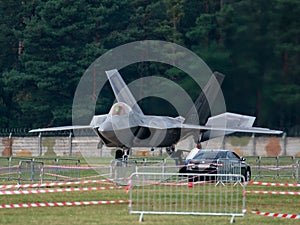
(95, 176)
(57, 175)
(10, 173)
(280, 215)
(25, 192)
(52, 204)
(50, 184)
(274, 192)
(179, 183)
(272, 184)
(77, 167)
(70, 178)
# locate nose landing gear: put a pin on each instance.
(122, 154)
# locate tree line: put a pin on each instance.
(46, 45)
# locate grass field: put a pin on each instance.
(119, 213)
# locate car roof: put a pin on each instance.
(216, 150)
(213, 152)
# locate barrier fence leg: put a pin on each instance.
(141, 219)
(40, 144)
(232, 220)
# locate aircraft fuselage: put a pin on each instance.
(139, 137)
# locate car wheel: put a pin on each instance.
(248, 175)
(183, 170)
(194, 178)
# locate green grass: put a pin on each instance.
(119, 214)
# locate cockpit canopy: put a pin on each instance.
(120, 109)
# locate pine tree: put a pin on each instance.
(60, 41)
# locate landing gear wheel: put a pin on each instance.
(170, 150)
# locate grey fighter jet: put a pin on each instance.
(126, 126)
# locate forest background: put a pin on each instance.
(46, 45)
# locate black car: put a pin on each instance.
(217, 162)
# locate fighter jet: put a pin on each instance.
(126, 126)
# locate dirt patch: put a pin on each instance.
(143, 153)
(273, 148)
(7, 142)
(24, 152)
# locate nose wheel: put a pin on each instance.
(122, 154)
(170, 150)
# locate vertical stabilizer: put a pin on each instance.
(210, 91)
(121, 91)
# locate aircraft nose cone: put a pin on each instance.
(106, 126)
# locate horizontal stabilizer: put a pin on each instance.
(228, 123)
(227, 130)
(230, 120)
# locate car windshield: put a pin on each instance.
(210, 155)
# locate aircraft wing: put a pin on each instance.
(96, 121)
(62, 128)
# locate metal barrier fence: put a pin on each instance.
(275, 167)
(30, 170)
(23, 168)
(298, 172)
(121, 170)
(4, 167)
(50, 168)
(261, 166)
(14, 167)
(228, 167)
(68, 168)
(172, 193)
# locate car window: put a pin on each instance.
(210, 155)
(232, 155)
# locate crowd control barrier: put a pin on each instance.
(172, 193)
